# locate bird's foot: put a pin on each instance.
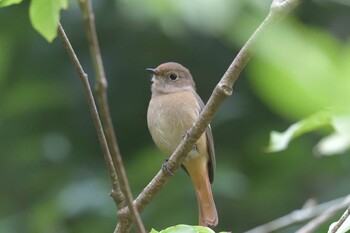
(165, 168)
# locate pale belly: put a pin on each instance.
(169, 117)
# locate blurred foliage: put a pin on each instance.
(53, 177)
(307, 86)
(316, 70)
(4, 3)
(280, 141)
(336, 143)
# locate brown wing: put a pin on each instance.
(210, 143)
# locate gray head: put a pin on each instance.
(171, 77)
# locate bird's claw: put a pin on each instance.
(165, 168)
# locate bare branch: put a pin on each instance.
(297, 216)
(102, 100)
(96, 119)
(278, 10)
(330, 212)
(101, 82)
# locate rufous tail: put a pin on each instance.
(208, 215)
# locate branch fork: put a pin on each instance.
(128, 208)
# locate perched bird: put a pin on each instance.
(173, 109)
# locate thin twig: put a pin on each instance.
(278, 10)
(96, 119)
(102, 100)
(297, 216)
(340, 222)
(101, 84)
(330, 212)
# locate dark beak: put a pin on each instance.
(153, 70)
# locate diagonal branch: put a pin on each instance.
(278, 10)
(337, 225)
(96, 118)
(102, 100)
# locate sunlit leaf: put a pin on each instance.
(280, 141)
(4, 3)
(339, 141)
(187, 229)
(44, 16)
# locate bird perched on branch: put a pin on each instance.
(173, 109)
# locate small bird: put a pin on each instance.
(173, 109)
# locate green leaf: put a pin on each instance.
(45, 15)
(186, 229)
(339, 141)
(154, 231)
(4, 3)
(280, 141)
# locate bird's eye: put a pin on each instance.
(173, 76)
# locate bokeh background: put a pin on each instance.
(52, 173)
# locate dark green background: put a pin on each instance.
(52, 173)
